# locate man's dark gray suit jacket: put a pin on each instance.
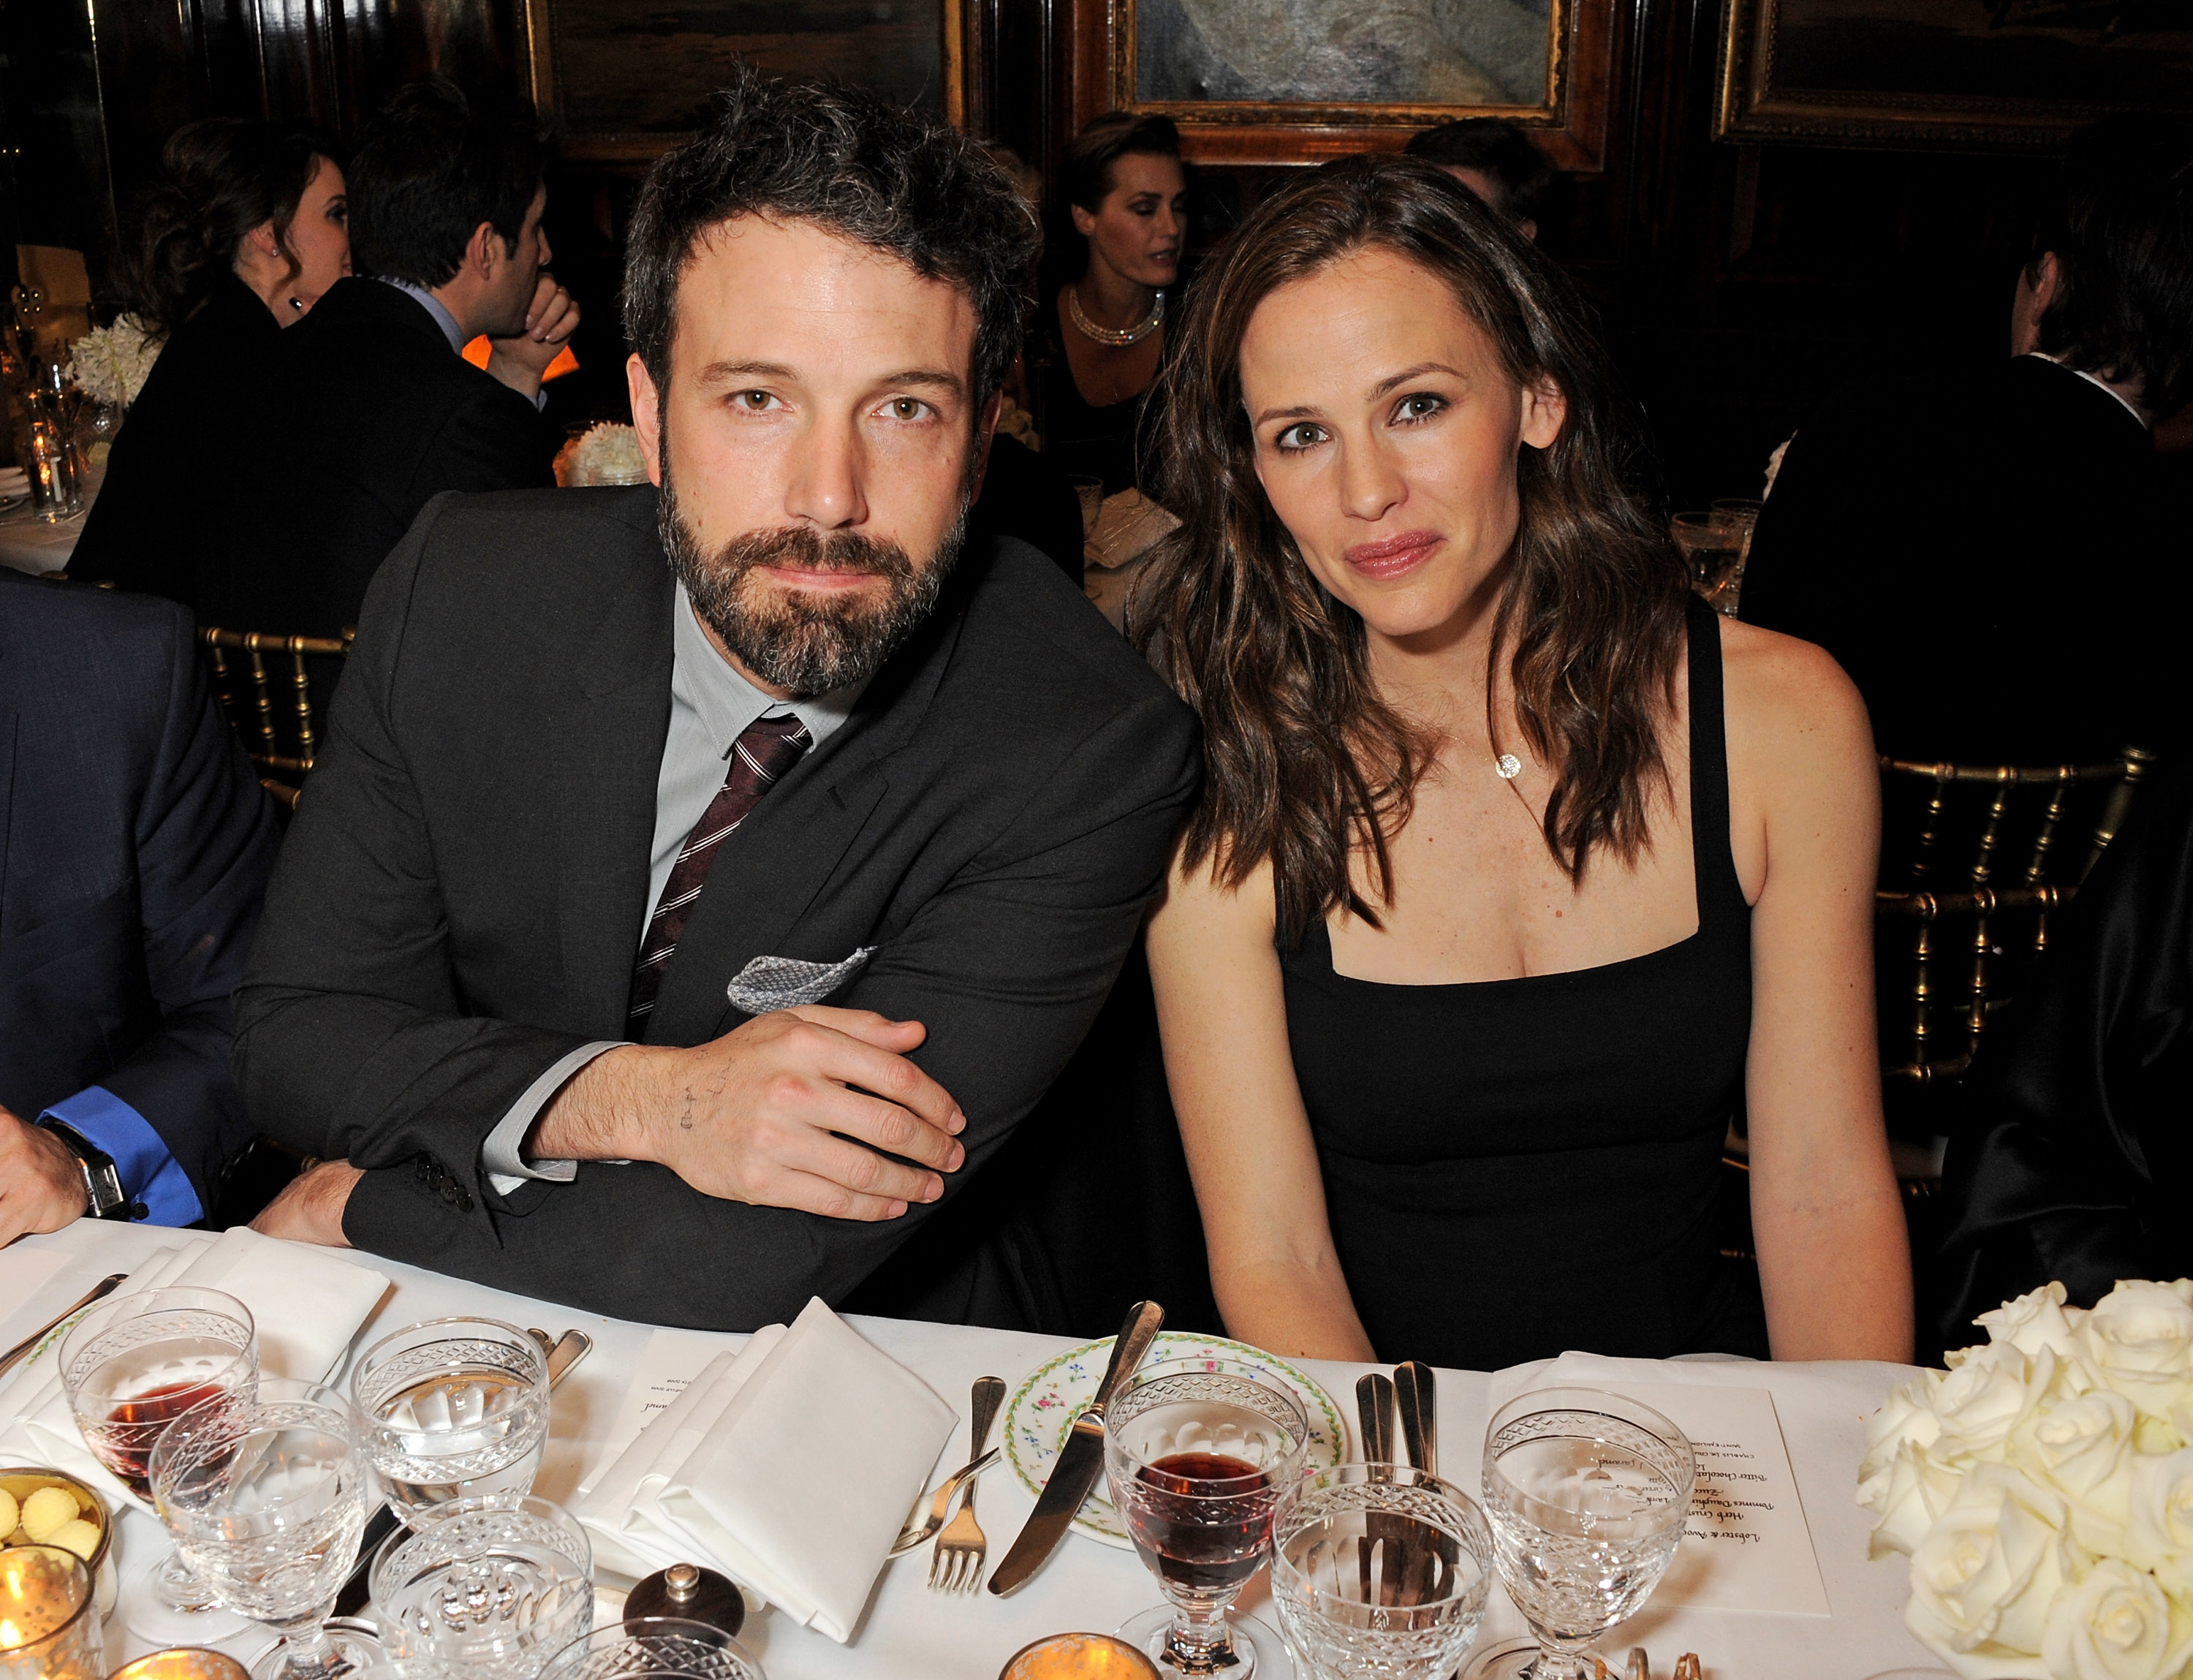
(460, 901)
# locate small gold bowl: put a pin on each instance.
(22, 1481)
(1080, 1656)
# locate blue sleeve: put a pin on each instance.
(149, 1173)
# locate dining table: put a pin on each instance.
(909, 1633)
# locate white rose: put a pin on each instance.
(2159, 1533)
(2031, 1322)
(1911, 1491)
(2116, 1624)
(2082, 1448)
(2139, 1338)
(1985, 1576)
(1990, 1393)
(1907, 1414)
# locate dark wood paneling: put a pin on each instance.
(1738, 283)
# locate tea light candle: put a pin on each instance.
(185, 1662)
(48, 1626)
(1080, 1656)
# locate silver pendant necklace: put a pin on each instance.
(1117, 338)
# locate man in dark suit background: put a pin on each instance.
(1985, 556)
(840, 758)
(365, 410)
(134, 844)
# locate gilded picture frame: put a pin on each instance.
(620, 87)
(1959, 74)
(1294, 81)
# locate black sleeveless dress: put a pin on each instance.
(1517, 1167)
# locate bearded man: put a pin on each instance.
(701, 882)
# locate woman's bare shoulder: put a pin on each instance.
(1785, 695)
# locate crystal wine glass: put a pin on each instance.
(1379, 1570)
(133, 1365)
(266, 1497)
(654, 1648)
(1588, 1493)
(496, 1586)
(453, 1408)
(1197, 1460)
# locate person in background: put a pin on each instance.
(1495, 160)
(2076, 1163)
(1517, 868)
(1100, 339)
(367, 411)
(1986, 555)
(134, 845)
(247, 228)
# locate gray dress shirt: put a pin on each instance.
(711, 705)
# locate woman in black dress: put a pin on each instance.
(1097, 343)
(1515, 869)
(247, 228)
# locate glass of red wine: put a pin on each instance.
(1197, 1460)
(133, 1365)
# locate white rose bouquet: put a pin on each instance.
(2042, 1487)
(110, 364)
(605, 454)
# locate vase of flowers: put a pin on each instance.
(109, 366)
(2042, 1487)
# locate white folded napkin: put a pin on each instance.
(305, 1303)
(789, 1467)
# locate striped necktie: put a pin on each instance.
(764, 752)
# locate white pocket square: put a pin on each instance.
(783, 982)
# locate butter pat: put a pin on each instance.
(47, 1511)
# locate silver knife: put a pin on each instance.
(22, 1350)
(1082, 1460)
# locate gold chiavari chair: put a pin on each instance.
(1973, 860)
(266, 694)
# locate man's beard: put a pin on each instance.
(807, 641)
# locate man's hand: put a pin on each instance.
(518, 362)
(310, 1209)
(752, 1116)
(41, 1182)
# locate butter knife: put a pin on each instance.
(1082, 1460)
(22, 1350)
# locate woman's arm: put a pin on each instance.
(1805, 791)
(1222, 1011)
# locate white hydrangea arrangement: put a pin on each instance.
(110, 364)
(607, 454)
(2042, 1487)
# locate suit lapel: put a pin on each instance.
(607, 749)
(770, 871)
(6, 802)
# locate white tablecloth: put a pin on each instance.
(29, 544)
(910, 1633)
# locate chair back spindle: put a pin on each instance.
(281, 741)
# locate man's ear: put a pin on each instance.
(485, 252)
(646, 416)
(986, 432)
(1545, 410)
(2047, 282)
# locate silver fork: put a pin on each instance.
(956, 1566)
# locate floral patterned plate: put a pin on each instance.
(1050, 1398)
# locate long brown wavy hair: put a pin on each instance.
(1304, 761)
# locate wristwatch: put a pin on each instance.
(104, 1197)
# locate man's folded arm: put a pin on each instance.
(351, 1042)
(1007, 969)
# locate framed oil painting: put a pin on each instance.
(628, 82)
(1956, 73)
(1282, 81)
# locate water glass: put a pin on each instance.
(266, 1497)
(133, 1365)
(453, 1408)
(1379, 1572)
(1197, 1460)
(1588, 1493)
(49, 1627)
(654, 1648)
(184, 1662)
(496, 1586)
